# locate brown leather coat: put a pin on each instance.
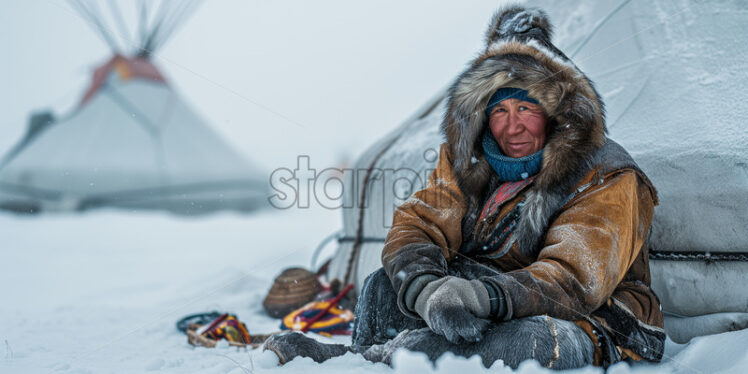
(574, 240)
(593, 258)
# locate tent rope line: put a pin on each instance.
(365, 239)
(149, 52)
(360, 238)
(704, 256)
(315, 256)
(94, 21)
(360, 229)
(599, 26)
(632, 102)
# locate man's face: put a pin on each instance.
(518, 127)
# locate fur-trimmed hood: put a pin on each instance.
(586, 260)
(519, 53)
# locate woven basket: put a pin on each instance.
(292, 289)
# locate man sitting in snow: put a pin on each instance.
(529, 241)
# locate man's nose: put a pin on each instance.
(516, 125)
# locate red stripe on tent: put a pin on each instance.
(127, 68)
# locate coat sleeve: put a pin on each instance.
(426, 230)
(588, 250)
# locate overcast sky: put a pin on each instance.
(275, 78)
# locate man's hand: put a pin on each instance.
(455, 308)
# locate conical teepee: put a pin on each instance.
(132, 142)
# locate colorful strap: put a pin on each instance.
(504, 193)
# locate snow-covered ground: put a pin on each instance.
(101, 292)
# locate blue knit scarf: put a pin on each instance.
(510, 169)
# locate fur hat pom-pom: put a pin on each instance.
(517, 20)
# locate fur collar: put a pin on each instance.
(519, 54)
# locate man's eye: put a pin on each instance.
(523, 108)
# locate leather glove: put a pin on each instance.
(455, 308)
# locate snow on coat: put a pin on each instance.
(579, 249)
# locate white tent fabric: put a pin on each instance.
(672, 75)
(135, 144)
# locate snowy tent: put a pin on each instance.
(672, 75)
(132, 142)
